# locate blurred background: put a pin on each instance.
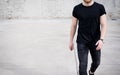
(34, 38)
(19, 9)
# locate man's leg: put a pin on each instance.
(83, 58)
(96, 56)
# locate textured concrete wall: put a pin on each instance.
(49, 8)
(11, 8)
(112, 8)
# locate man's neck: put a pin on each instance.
(88, 4)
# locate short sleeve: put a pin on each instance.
(102, 10)
(74, 12)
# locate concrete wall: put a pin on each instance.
(49, 8)
(11, 8)
(112, 8)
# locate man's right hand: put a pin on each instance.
(72, 32)
(71, 46)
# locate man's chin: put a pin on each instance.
(87, 1)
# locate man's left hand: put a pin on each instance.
(99, 45)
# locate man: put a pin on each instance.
(91, 32)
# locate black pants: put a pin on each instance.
(83, 50)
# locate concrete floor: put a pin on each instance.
(40, 47)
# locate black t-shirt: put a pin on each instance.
(89, 22)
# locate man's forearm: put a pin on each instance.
(103, 21)
(73, 28)
(103, 31)
(72, 32)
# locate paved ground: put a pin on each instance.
(40, 47)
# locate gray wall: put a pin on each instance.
(49, 8)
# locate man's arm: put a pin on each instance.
(103, 23)
(72, 32)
